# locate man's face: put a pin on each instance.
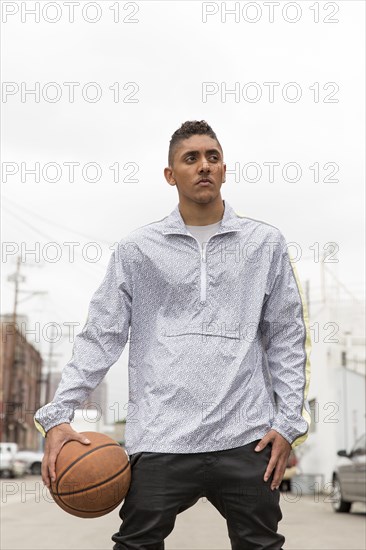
(198, 169)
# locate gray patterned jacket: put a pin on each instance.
(219, 344)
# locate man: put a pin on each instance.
(218, 359)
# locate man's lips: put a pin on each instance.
(204, 182)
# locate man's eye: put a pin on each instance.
(191, 157)
(214, 157)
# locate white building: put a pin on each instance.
(337, 385)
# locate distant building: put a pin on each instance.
(97, 399)
(337, 387)
(87, 420)
(20, 385)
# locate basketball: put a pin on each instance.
(91, 480)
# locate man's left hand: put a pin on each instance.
(281, 449)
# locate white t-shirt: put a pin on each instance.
(203, 232)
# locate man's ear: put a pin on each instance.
(168, 173)
(224, 172)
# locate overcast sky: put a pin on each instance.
(296, 73)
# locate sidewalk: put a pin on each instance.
(30, 520)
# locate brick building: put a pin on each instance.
(20, 385)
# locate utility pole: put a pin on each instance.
(10, 425)
(49, 366)
(50, 363)
(12, 400)
(348, 347)
(322, 277)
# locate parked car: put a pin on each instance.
(10, 465)
(32, 461)
(349, 477)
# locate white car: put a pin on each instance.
(32, 461)
(349, 477)
(10, 465)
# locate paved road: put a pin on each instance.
(30, 520)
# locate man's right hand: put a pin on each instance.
(55, 440)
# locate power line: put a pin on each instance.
(50, 222)
(44, 235)
(340, 283)
(51, 239)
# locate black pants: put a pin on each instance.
(165, 484)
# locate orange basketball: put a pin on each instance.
(91, 480)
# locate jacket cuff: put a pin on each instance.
(51, 415)
(291, 432)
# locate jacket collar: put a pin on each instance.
(174, 223)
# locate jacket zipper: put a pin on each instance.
(203, 256)
(203, 280)
(203, 274)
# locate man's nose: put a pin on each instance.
(205, 167)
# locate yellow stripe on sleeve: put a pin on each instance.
(305, 414)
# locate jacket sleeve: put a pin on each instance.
(97, 347)
(285, 327)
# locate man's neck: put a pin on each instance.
(202, 214)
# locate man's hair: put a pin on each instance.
(188, 129)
